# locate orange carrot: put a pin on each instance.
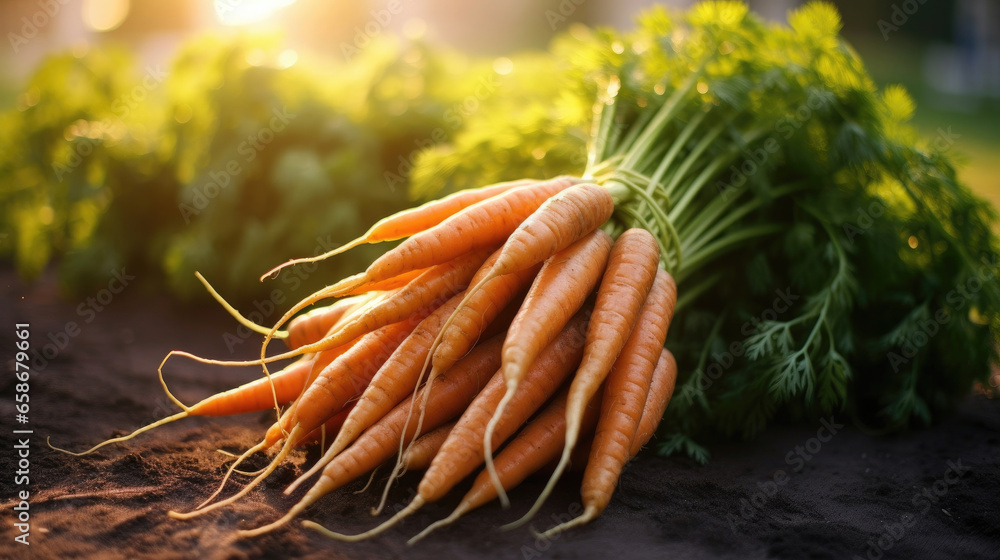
(254, 396)
(397, 378)
(415, 220)
(463, 449)
(465, 326)
(660, 390)
(348, 376)
(454, 390)
(560, 289)
(311, 326)
(626, 389)
(484, 224)
(323, 433)
(632, 268)
(419, 455)
(479, 311)
(559, 222)
(531, 450)
(387, 285)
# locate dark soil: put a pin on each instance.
(927, 494)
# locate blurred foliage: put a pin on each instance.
(224, 162)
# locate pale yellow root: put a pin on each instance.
(412, 507)
(350, 245)
(370, 479)
(185, 412)
(254, 327)
(588, 515)
(230, 471)
(158, 423)
(455, 515)
(293, 436)
(488, 444)
(572, 434)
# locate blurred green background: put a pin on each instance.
(230, 136)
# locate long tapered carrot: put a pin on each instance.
(419, 455)
(563, 284)
(483, 224)
(611, 448)
(531, 450)
(559, 222)
(454, 390)
(627, 388)
(632, 269)
(255, 396)
(414, 220)
(462, 452)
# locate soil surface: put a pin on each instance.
(820, 491)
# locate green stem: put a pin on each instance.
(722, 245)
(601, 137)
(692, 293)
(692, 157)
(677, 145)
(663, 115)
(677, 212)
(695, 237)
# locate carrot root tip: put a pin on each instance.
(588, 515)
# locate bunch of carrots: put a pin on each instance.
(504, 304)
(522, 324)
